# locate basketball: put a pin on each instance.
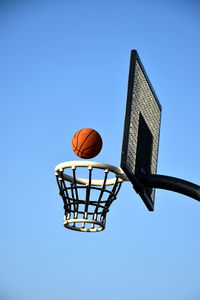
(86, 143)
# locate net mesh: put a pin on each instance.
(86, 205)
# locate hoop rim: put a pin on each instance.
(90, 164)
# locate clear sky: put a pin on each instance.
(64, 66)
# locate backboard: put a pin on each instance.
(141, 130)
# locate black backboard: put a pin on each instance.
(141, 130)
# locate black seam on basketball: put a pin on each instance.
(83, 152)
(75, 148)
(99, 142)
(78, 132)
(78, 136)
(86, 139)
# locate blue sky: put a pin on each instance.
(64, 66)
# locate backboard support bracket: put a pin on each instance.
(139, 187)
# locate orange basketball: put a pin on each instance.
(86, 143)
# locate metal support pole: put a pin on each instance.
(173, 184)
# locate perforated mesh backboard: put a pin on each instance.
(141, 129)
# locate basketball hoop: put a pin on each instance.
(87, 201)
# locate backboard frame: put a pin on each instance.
(136, 180)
